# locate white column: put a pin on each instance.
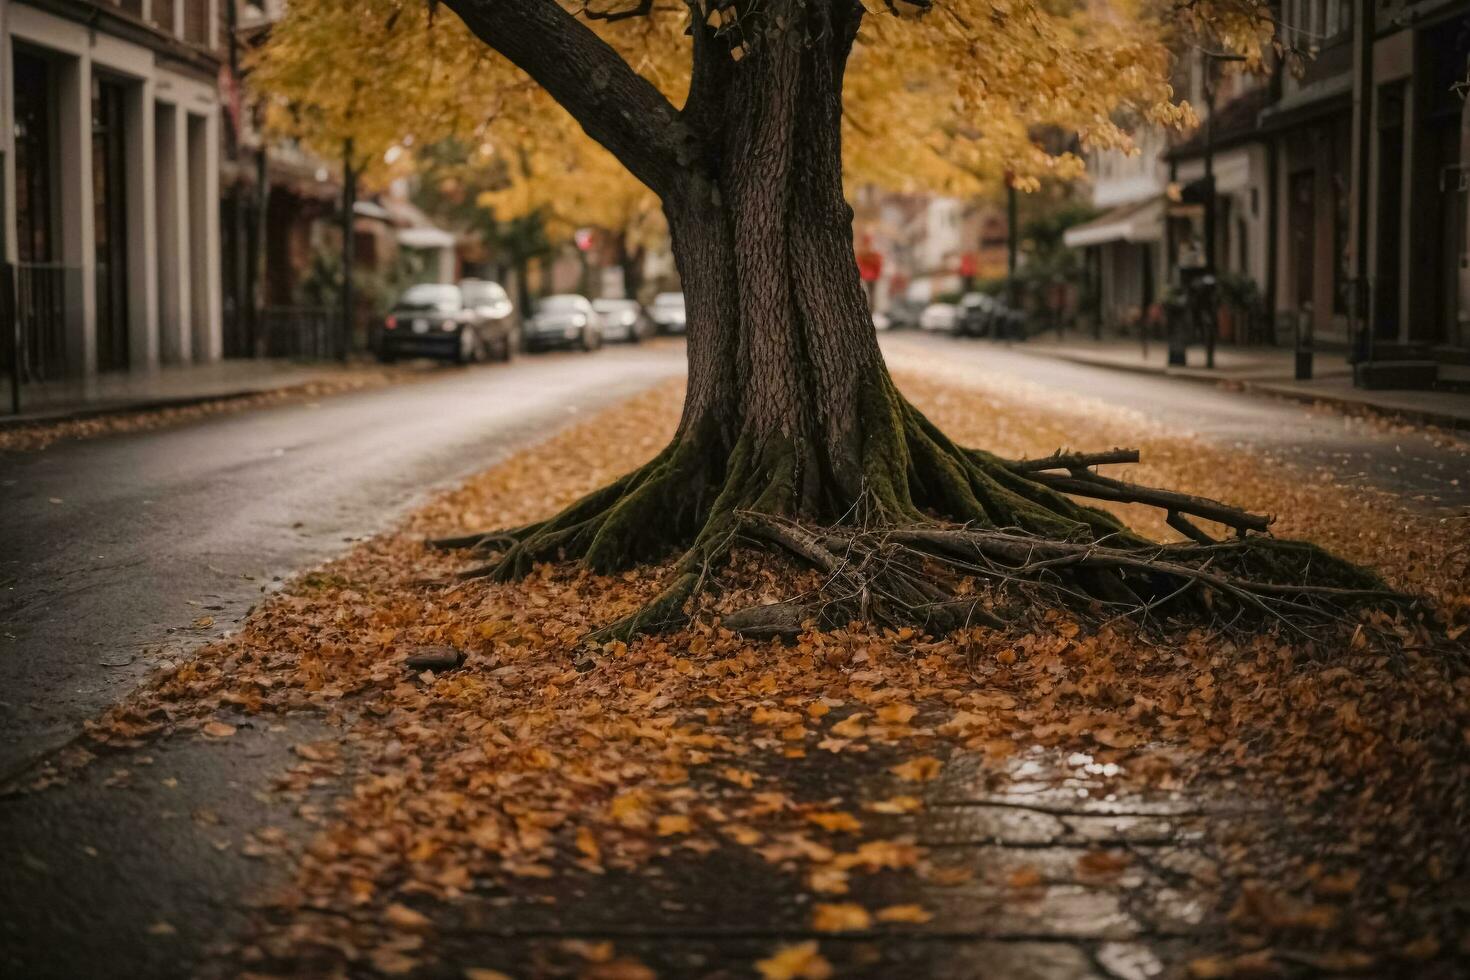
(204, 246)
(142, 227)
(74, 196)
(172, 162)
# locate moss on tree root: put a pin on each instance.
(914, 519)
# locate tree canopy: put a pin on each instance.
(949, 97)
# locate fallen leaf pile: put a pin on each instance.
(1341, 771)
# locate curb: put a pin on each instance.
(79, 413)
(1274, 389)
(1419, 416)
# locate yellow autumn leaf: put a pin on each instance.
(674, 823)
(836, 822)
(218, 729)
(841, 917)
(587, 844)
(802, 961)
(896, 714)
(918, 770)
(400, 916)
(895, 804)
(915, 914)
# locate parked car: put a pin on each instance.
(668, 312)
(623, 319)
(904, 313)
(433, 320)
(939, 316)
(490, 300)
(977, 313)
(564, 320)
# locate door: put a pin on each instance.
(41, 294)
(109, 216)
(1389, 215)
(1303, 219)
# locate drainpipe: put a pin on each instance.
(349, 201)
(1013, 235)
(1273, 204)
(1363, 113)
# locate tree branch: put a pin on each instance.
(615, 105)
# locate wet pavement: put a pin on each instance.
(1407, 461)
(122, 552)
(1040, 869)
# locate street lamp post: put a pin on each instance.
(1209, 283)
(349, 204)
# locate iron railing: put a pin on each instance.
(300, 333)
(37, 307)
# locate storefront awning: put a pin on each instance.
(425, 237)
(1141, 221)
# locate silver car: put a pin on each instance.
(668, 312)
(564, 320)
(623, 319)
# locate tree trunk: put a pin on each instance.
(790, 410)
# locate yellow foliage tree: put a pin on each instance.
(740, 118)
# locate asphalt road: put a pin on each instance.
(114, 546)
(111, 548)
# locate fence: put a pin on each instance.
(301, 333)
(36, 313)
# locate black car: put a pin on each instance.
(435, 320)
(977, 315)
(564, 320)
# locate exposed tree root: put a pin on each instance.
(918, 575)
(934, 536)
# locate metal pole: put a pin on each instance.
(10, 321)
(1013, 235)
(349, 201)
(1208, 293)
(1363, 120)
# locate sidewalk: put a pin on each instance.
(1268, 370)
(166, 387)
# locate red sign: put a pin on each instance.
(967, 264)
(870, 265)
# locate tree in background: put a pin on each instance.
(742, 118)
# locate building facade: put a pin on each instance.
(1340, 190)
(1125, 243)
(109, 205)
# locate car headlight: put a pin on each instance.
(448, 325)
(579, 320)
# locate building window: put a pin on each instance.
(110, 221)
(196, 21)
(34, 159)
(163, 15)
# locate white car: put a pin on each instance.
(667, 312)
(939, 316)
